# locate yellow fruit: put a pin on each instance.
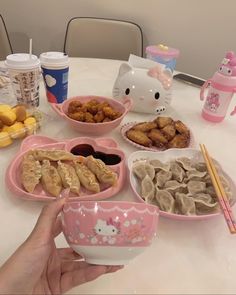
(17, 130)
(4, 108)
(5, 139)
(8, 117)
(20, 112)
(30, 125)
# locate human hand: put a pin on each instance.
(38, 267)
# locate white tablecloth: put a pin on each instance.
(186, 257)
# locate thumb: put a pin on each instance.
(44, 228)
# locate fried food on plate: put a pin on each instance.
(146, 126)
(157, 137)
(163, 121)
(139, 137)
(169, 131)
(181, 127)
(179, 141)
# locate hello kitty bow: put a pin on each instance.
(164, 76)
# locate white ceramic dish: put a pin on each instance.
(166, 156)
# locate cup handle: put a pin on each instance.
(128, 103)
(57, 108)
(233, 112)
(205, 85)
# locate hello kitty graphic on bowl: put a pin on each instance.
(107, 230)
(149, 88)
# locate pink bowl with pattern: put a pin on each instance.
(109, 232)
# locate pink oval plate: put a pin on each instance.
(129, 125)
(106, 146)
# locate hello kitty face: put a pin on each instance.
(107, 227)
(149, 89)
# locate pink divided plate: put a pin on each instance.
(104, 148)
(129, 125)
(166, 156)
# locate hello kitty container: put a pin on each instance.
(222, 86)
(163, 55)
(109, 232)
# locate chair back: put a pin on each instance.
(5, 45)
(103, 38)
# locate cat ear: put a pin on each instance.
(124, 68)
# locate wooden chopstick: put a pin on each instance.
(220, 192)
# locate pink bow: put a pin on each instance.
(110, 221)
(164, 76)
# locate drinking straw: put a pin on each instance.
(30, 48)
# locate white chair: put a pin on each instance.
(5, 45)
(103, 38)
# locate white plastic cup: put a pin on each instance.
(55, 69)
(24, 73)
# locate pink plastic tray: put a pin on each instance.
(104, 145)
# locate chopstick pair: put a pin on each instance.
(220, 192)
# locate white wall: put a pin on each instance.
(203, 30)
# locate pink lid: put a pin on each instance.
(162, 50)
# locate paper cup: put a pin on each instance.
(24, 73)
(55, 69)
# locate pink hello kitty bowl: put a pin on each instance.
(109, 232)
(93, 128)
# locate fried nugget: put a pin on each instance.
(99, 117)
(181, 127)
(109, 112)
(79, 116)
(106, 119)
(146, 126)
(103, 105)
(179, 141)
(73, 106)
(89, 118)
(139, 137)
(163, 121)
(157, 138)
(169, 131)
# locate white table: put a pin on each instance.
(187, 257)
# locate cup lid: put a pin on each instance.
(54, 57)
(162, 50)
(22, 61)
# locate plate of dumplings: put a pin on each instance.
(45, 168)
(160, 134)
(177, 181)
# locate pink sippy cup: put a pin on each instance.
(221, 89)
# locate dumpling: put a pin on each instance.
(195, 174)
(158, 165)
(195, 186)
(203, 197)
(204, 207)
(147, 189)
(200, 166)
(69, 177)
(87, 177)
(186, 204)
(104, 173)
(162, 177)
(52, 155)
(51, 179)
(141, 169)
(30, 173)
(177, 172)
(186, 163)
(174, 186)
(165, 201)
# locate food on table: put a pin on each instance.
(30, 172)
(162, 133)
(69, 177)
(87, 177)
(139, 137)
(103, 173)
(52, 155)
(16, 122)
(51, 179)
(57, 169)
(92, 111)
(180, 186)
(5, 139)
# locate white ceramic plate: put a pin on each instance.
(166, 156)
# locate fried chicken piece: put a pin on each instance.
(73, 106)
(93, 102)
(145, 126)
(89, 118)
(117, 115)
(157, 138)
(169, 131)
(99, 117)
(163, 121)
(181, 127)
(179, 141)
(103, 105)
(79, 116)
(109, 112)
(107, 120)
(139, 137)
(92, 109)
